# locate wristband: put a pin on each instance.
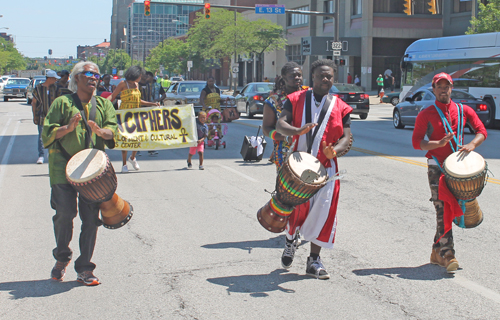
(272, 134)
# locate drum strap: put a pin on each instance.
(92, 113)
(447, 126)
(311, 135)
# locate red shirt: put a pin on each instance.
(429, 122)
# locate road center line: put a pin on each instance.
(238, 173)
(6, 155)
(477, 288)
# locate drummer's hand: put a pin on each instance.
(95, 128)
(306, 128)
(468, 147)
(446, 139)
(328, 151)
(73, 122)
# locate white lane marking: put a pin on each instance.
(238, 173)
(5, 129)
(477, 288)
(6, 155)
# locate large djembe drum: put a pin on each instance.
(90, 172)
(465, 175)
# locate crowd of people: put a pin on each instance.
(306, 119)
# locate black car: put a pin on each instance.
(251, 99)
(406, 112)
(354, 96)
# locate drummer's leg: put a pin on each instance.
(124, 158)
(89, 214)
(445, 244)
(63, 200)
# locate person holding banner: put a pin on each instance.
(210, 96)
(131, 98)
(316, 120)
(65, 133)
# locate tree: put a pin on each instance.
(488, 18)
(173, 54)
(10, 58)
(116, 58)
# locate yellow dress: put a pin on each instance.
(131, 98)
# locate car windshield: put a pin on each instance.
(190, 88)
(345, 87)
(18, 81)
(37, 81)
(264, 87)
(458, 94)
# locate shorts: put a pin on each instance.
(199, 148)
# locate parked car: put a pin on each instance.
(405, 113)
(2, 84)
(15, 88)
(354, 96)
(176, 79)
(191, 90)
(391, 97)
(29, 90)
(251, 98)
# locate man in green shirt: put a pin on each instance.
(64, 134)
(380, 83)
(165, 82)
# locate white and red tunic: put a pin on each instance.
(317, 218)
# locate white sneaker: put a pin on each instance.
(134, 163)
(125, 169)
(40, 160)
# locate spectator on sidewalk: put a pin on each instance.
(357, 81)
(349, 78)
(380, 83)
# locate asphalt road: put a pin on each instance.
(194, 249)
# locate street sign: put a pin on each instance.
(336, 53)
(161, 67)
(190, 64)
(113, 71)
(270, 8)
(236, 69)
(337, 45)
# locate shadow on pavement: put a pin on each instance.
(258, 285)
(276, 242)
(37, 288)
(423, 272)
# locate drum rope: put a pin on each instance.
(460, 127)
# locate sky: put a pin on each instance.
(40, 25)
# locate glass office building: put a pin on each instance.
(167, 19)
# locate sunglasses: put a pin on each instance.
(91, 74)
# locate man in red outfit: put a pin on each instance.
(440, 145)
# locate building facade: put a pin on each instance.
(99, 50)
(119, 22)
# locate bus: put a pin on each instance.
(473, 61)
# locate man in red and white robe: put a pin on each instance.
(316, 120)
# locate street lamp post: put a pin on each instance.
(158, 33)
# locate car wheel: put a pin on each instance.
(363, 116)
(490, 121)
(5, 99)
(249, 114)
(394, 101)
(396, 120)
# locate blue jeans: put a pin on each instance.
(40, 143)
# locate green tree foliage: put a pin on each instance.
(118, 59)
(488, 18)
(173, 54)
(10, 58)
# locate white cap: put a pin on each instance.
(52, 74)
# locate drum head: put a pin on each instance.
(301, 161)
(86, 165)
(464, 165)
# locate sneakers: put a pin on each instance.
(125, 169)
(297, 239)
(59, 270)
(189, 165)
(134, 163)
(288, 254)
(448, 261)
(153, 153)
(316, 269)
(87, 278)
(40, 160)
(201, 168)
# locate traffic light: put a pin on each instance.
(433, 7)
(342, 62)
(408, 10)
(147, 8)
(207, 10)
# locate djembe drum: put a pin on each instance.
(465, 175)
(90, 172)
(300, 177)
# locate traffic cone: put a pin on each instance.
(381, 94)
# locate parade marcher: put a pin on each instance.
(43, 96)
(202, 134)
(316, 120)
(64, 132)
(439, 143)
(210, 95)
(289, 82)
(130, 96)
(380, 83)
(105, 84)
(151, 91)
